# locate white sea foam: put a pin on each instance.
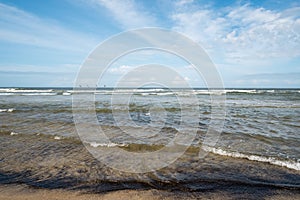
(6, 93)
(95, 144)
(57, 138)
(271, 160)
(38, 94)
(13, 90)
(127, 91)
(205, 92)
(164, 93)
(66, 93)
(241, 91)
(225, 91)
(28, 94)
(7, 110)
(8, 90)
(13, 133)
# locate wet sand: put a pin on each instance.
(23, 192)
(44, 168)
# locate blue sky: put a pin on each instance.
(252, 43)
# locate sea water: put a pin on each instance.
(259, 142)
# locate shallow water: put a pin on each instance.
(259, 145)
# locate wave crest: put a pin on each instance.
(271, 160)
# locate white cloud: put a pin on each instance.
(21, 27)
(187, 78)
(121, 70)
(127, 13)
(183, 2)
(138, 75)
(242, 32)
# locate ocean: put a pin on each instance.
(259, 146)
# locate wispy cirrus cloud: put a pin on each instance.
(127, 13)
(123, 69)
(18, 26)
(183, 2)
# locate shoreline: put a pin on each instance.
(24, 192)
(63, 169)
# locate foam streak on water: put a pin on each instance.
(289, 164)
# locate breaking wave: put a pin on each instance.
(271, 160)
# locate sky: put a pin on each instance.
(253, 44)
